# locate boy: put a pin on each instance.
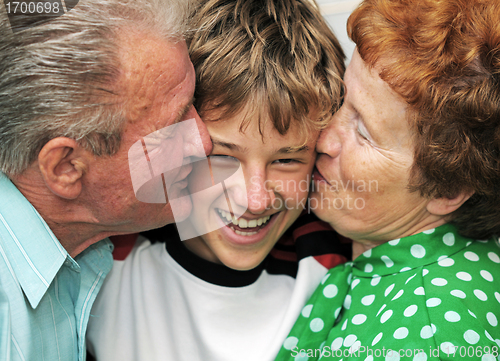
(268, 79)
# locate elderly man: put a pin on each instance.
(75, 94)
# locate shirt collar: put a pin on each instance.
(33, 253)
(404, 254)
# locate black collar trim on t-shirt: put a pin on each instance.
(207, 271)
(307, 237)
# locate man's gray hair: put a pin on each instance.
(56, 78)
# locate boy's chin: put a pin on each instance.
(243, 263)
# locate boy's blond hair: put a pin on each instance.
(277, 59)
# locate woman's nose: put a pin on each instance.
(329, 141)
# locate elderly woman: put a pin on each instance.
(409, 170)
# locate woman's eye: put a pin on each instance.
(362, 131)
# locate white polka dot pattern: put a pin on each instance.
(410, 310)
(417, 251)
(471, 337)
(377, 339)
(317, 325)
(464, 276)
(426, 332)
(492, 319)
(290, 343)
(386, 315)
(449, 239)
(306, 311)
(368, 300)
(445, 295)
(388, 262)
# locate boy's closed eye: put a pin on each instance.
(288, 161)
(222, 157)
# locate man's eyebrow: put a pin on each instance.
(183, 111)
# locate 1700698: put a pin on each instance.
(472, 352)
(32, 7)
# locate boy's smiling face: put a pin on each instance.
(277, 173)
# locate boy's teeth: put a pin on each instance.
(243, 223)
(244, 233)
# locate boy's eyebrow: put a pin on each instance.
(227, 145)
(288, 150)
(284, 150)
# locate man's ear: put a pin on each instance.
(62, 163)
(444, 206)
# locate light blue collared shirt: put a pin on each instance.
(45, 295)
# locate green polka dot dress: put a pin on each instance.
(431, 296)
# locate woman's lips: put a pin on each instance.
(318, 176)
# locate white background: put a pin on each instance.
(336, 13)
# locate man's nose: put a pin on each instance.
(197, 146)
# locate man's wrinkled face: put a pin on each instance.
(156, 88)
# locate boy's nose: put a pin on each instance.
(260, 193)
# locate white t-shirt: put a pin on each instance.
(163, 302)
